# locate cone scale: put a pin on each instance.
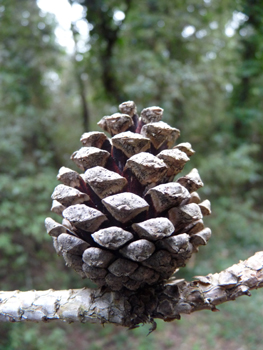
(126, 221)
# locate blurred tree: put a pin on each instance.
(104, 37)
(33, 114)
(248, 91)
(28, 132)
(235, 167)
(25, 71)
(159, 53)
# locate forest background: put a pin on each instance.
(202, 61)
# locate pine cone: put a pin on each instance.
(125, 222)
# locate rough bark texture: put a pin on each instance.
(127, 308)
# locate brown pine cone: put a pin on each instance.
(125, 222)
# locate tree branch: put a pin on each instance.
(129, 308)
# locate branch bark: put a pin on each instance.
(129, 308)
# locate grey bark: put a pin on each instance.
(128, 308)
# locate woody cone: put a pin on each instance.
(128, 221)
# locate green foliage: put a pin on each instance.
(33, 337)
